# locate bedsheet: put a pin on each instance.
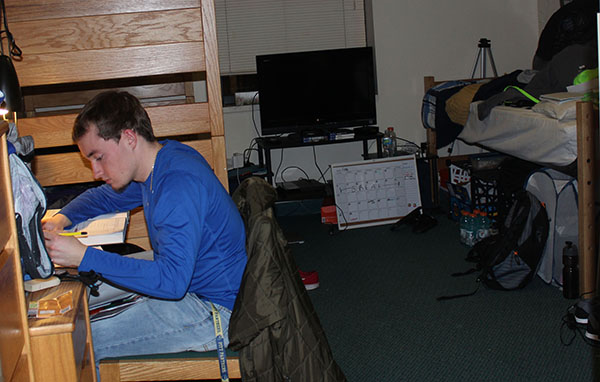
(524, 134)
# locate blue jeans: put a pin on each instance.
(154, 326)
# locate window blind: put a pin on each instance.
(247, 28)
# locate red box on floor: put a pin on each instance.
(328, 212)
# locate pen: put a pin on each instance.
(80, 233)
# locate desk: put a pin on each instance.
(266, 144)
(61, 346)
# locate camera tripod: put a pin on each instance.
(485, 50)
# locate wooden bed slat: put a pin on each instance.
(79, 98)
(96, 65)
(55, 131)
(50, 169)
(23, 10)
(108, 31)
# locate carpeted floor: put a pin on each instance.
(377, 304)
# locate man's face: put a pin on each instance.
(111, 161)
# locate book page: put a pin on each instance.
(103, 224)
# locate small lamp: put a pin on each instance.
(11, 99)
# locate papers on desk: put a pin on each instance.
(112, 300)
(103, 229)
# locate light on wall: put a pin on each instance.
(11, 98)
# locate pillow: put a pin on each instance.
(564, 111)
(457, 106)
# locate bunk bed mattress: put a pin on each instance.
(524, 134)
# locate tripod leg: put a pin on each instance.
(476, 61)
(489, 51)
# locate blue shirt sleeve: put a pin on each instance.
(177, 220)
(101, 200)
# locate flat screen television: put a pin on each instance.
(323, 90)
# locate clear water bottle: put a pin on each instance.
(470, 231)
(464, 220)
(389, 142)
(570, 271)
(483, 229)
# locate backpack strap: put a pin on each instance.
(442, 298)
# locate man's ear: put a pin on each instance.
(130, 137)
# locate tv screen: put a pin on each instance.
(316, 90)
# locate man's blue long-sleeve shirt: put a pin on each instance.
(195, 229)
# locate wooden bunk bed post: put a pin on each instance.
(432, 152)
(15, 348)
(586, 168)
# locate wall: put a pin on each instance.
(413, 39)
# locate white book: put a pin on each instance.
(103, 229)
(561, 97)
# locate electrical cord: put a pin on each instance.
(317, 164)
(252, 108)
(296, 167)
(13, 50)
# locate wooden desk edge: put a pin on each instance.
(63, 323)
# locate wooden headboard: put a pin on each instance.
(158, 50)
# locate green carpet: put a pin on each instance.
(377, 304)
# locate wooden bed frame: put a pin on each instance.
(155, 50)
(161, 51)
(587, 139)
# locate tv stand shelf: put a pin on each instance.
(266, 144)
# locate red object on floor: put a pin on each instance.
(310, 279)
(328, 211)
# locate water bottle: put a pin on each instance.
(470, 230)
(570, 271)
(464, 220)
(389, 142)
(483, 230)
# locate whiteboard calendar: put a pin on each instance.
(376, 191)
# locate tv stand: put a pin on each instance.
(362, 134)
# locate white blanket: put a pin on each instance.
(524, 134)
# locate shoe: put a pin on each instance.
(592, 330)
(581, 315)
(310, 279)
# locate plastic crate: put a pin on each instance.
(484, 192)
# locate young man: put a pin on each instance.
(196, 232)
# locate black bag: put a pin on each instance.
(509, 260)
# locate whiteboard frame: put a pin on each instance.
(401, 197)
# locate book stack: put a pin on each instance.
(561, 97)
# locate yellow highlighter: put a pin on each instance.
(76, 234)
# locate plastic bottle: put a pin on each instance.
(476, 225)
(389, 142)
(470, 230)
(483, 229)
(464, 220)
(570, 271)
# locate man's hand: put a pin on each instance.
(56, 223)
(63, 250)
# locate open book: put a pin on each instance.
(103, 229)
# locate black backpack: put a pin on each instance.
(509, 260)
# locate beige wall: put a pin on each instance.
(414, 39)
